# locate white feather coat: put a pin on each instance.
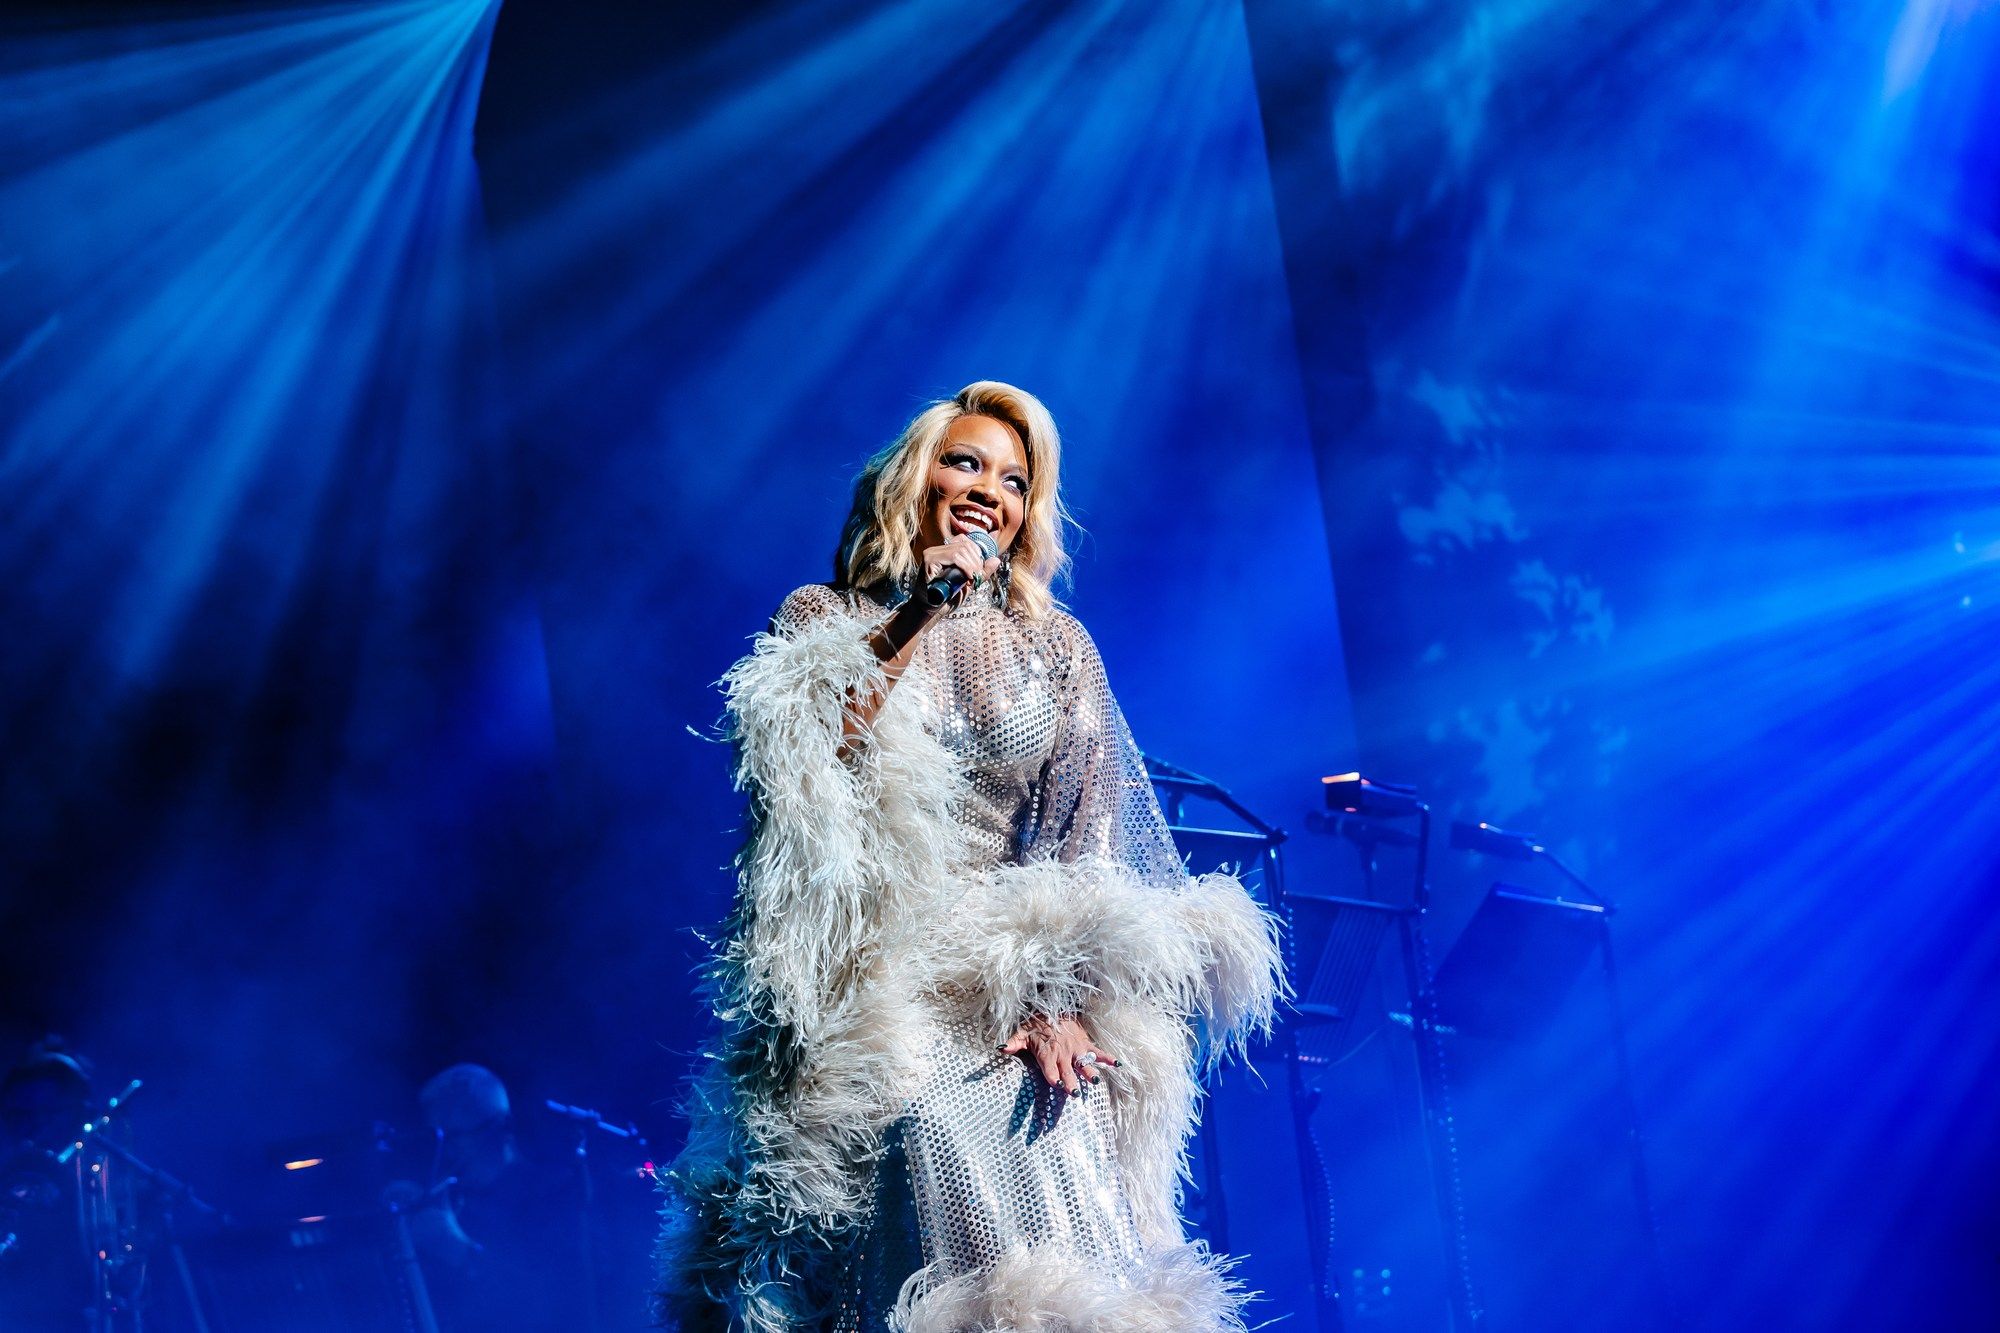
(853, 913)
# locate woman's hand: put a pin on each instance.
(958, 553)
(894, 641)
(1058, 1050)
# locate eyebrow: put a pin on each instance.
(984, 456)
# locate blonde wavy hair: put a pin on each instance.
(877, 544)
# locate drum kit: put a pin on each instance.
(417, 1231)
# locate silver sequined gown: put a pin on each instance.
(987, 1158)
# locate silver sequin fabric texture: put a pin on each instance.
(1026, 706)
(987, 1158)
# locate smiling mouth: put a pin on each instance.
(965, 518)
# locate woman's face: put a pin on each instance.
(978, 480)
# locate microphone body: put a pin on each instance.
(946, 585)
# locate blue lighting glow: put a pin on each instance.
(378, 517)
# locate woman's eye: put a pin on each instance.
(1019, 484)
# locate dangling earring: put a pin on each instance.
(905, 588)
(1003, 580)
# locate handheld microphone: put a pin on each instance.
(946, 585)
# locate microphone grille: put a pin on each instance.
(983, 539)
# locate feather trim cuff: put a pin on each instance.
(1049, 938)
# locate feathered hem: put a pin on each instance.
(1182, 1288)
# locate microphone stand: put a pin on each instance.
(401, 1204)
(1358, 809)
(101, 1229)
(587, 1122)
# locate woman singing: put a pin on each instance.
(956, 1062)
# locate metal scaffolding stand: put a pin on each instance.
(1373, 815)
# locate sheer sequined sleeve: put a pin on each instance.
(1095, 799)
(804, 607)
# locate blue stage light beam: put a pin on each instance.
(228, 218)
(1684, 321)
(272, 699)
(899, 200)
